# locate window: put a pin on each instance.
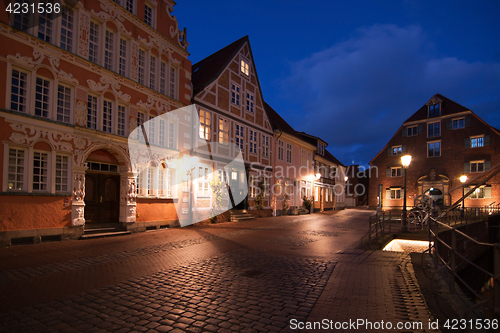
(321, 148)
(458, 123)
(395, 193)
(316, 193)
(203, 185)
(171, 136)
(141, 118)
(149, 15)
(253, 142)
(281, 147)
(42, 96)
(63, 104)
(45, 28)
(129, 5)
(67, 24)
(397, 150)
(61, 176)
(433, 129)
(40, 171)
(107, 116)
(477, 141)
(434, 110)
(109, 50)
(151, 133)
(245, 68)
(163, 78)
(235, 94)
(265, 146)
(482, 192)
(122, 60)
(252, 186)
(142, 67)
(434, 149)
(412, 130)
(249, 107)
(477, 166)
(94, 43)
(152, 73)
(92, 112)
(16, 168)
(161, 133)
(22, 20)
(173, 79)
(288, 153)
(223, 131)
(204, 125)
(19, 92)
(303, 160)
(122, 120)
(396, 172)
(239, 136)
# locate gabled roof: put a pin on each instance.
(209, 69)
(311, 138)
(278, 123)
(332, 158)
(448, 107)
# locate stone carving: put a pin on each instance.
(110, 12)
(160, 106)
(79, 188)
(105, 84)
(81, 114)
(83, 45)
(29, 134)
(79, 142)
(134, 63)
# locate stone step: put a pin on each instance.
(105, 234)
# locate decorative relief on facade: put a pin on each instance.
(37, 59)
(110, 12)
(107, 83)
(80, 143)
(29, 134)
(162, 46)
(160, 106)
(81, 94)
(83, 36)
(81, 114)
(79, 188)
(134, 63)
(128, 191)
(434, 100)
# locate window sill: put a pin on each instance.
(37, 194)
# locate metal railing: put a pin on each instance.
(453, 256)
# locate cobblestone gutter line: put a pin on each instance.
(240, 291)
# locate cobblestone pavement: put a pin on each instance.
(254, 276)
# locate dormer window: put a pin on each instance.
(434, 110)
(321, 148)
(245, 68)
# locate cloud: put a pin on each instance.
(357, 93)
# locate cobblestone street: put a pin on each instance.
(253, 276)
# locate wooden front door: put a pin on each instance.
(102, 203)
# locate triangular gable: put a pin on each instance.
(213, 78)
(448, 106)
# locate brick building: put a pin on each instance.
(446, 140)
(74, 85)
(228, 97)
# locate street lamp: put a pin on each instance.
(405, 161)
(463, 179)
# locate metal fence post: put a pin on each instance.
(453, 260)
(496, 273)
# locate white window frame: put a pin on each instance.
(172, 90)
(153, 65)
(412, 130)
(93, 111)
(109, 49)
(223, 131)
(395, 193)
(23, 91)
(94, 47)
(433, 133)
(67, 31)
(19, 167)
(253, 142)
(67, 105)
(239, 136)
(235, 94)
(203, 180)
(151, 21)
(476, 165)
(249, 103)
(163, 78)
(62, 174)
(434, 147)
(245, 67)
(122, 57)
(397, 150)
(265, 146)
(289, 151)
(205, 123)
(396, 171)
(46, 105)
(45, 178)
(460, 123)
(141, 66)
(476, 140)
(122, 120)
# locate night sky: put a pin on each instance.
(351, 72)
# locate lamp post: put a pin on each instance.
(463, 179)
(405, 161)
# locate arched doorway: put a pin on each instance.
(102, 188)
(436, 182)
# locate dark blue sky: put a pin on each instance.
(353, 72)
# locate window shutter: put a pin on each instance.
(388, 194)
(487, 165)
(487, 192)
(449, 124)
(405, 131)
(467, 121)
(403, 149)
(389, 151)
(467, 142)
(486, 140)
(388, 172)
(419, 129)
(466, 167)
